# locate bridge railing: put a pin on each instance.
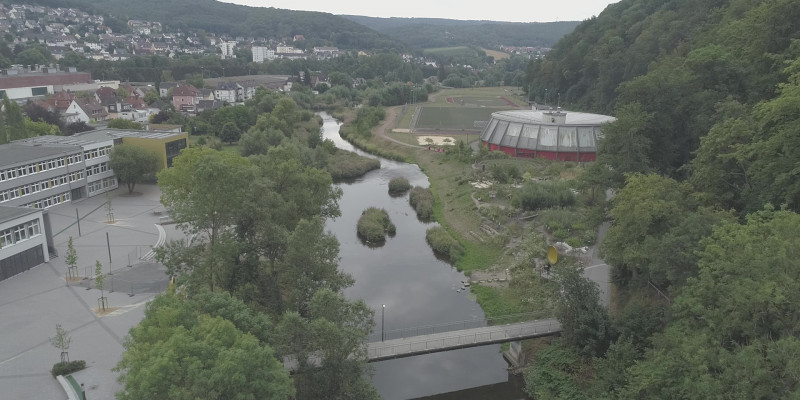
(389, 334)
(377, 351)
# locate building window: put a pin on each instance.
(19, 233)
(39, 91)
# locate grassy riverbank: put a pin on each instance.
(473, 203)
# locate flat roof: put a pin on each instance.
(20, 153)
(100, 135)
(537, 117)
(9, 213)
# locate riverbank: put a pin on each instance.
(473, 203)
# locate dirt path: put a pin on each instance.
(388, 123)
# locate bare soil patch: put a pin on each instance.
(436, 140)
(100, 312)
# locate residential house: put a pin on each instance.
(60, 101)
(107, 97)
(205, 94)
(184, 98)
(229, 92)
(93, 109)
(205, 105)
(164, 87)
(326, 52)
(74, 113)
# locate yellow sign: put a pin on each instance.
(552, 255)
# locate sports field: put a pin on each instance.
(459, 109)
(480, 101)
(453, 118)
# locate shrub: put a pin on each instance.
(535, 196)
(422, 200)
(65, 368)
(443, 244)
(399, 185)
(374, 224)
(505, 173)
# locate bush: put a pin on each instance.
(399, 185)
(575, 227)
(374, 224)
(535, 196)
(65, 368)
(421, 199)
(443, 244)
(505, 173)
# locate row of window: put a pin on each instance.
(98, 152)
(96, 169)
(50, 201)
(102, 185)
(19, 233)
(24, 190)
(38, 167)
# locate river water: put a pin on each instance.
(416, 288)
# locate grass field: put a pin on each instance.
(498, 55)
(450, 51)
(452, 118)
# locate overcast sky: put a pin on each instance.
(513, 11)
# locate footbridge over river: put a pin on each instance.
(435, 338)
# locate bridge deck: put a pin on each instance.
(423, 344)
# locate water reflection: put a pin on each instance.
(416, 287)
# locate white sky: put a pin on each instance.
(512, 11)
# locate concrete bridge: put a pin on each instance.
(459, 339)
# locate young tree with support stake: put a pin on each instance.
(71, 260)
(61, 341)
(99, 281)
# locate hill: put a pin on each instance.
(439, 32)
(677, 61)
(214, 16)
(705, 154)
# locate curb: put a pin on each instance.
(68, 388)
(162, 238)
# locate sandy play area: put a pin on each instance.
(437, 140)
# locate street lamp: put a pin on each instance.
(383, 315)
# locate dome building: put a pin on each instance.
(551, 134)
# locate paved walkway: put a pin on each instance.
(436, 342)
(32, 303)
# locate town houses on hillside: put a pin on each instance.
(67, 29)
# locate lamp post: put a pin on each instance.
(383, 315)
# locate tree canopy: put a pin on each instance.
(133, 164)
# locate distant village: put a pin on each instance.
(69, 29)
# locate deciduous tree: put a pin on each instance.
(133, 164)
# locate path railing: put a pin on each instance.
(424, 344)
(389, 334)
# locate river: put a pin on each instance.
(416, 288)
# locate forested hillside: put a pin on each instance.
(214, 16)
(704, 229)
(677, 68)
(438, 32)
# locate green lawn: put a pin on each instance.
(453, 118)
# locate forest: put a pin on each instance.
(704, 159)
(436, 32)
